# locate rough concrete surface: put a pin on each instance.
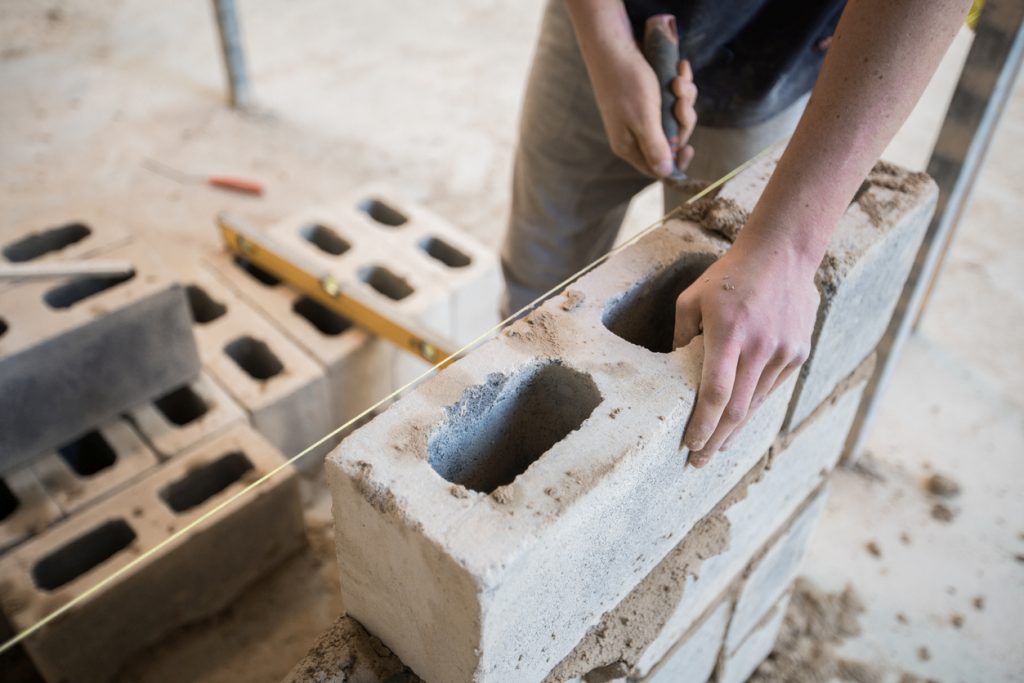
(101, 86)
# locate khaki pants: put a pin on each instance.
(569, 190)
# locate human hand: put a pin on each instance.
(756, 309)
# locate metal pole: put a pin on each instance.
(981, 94)
(234, 55)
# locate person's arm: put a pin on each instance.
(756, 305)
(627, 91)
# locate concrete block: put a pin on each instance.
(384, 274)
(773, 573)
(54, 234)
(161, 587)
(76, 353)
(464, 268)
(186, 416)
(346, 653)
(356, 364)
(862, 273)
(758, 509)
(94, 465)
(25, 509)
(283, 390)
(694, 658)
(738, 665)
(533, 483)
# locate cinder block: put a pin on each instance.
(375, 267)
(94, 465)
(528, 487)
(161, 587)
(346, 653)
(283, 390)
(186, 416)
(760, 508)
(25, 509)
(463, 267)
(54, 234)
(773, 573)
(694, 658)
(862, 274)
(356, 364)
(76, 353)
(737, 666)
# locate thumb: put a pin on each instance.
(654, 146)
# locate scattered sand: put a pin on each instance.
(942, 512)
(942, 486)
(723, 216)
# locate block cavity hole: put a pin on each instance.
(8, 501)
(325, 239)
(498, 429)
(79, 289)
(319, 316)
(41, 243)
(386, 282)
(256, 273)
(255, 357)
(202, 483)
(439, 250)
(646, 314)
(205, 309)
(88, 455)
(89, 550)
(3, 327)
(182, 406)
(383, 213)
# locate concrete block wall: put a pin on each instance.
(537, 487)
(77, 352)
(193, 577)
(52, 236)
(25, 507)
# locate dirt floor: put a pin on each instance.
(425, 96)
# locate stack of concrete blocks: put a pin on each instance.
(528, 514)
(76, 514)
(404, 260)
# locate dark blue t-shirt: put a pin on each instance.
(751, 58)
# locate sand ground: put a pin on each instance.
(425, 96)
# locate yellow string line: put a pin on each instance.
(100, 585)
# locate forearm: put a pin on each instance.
(881, 58)
(602, 29)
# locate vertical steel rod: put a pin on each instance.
(234, 55)
(978, 102)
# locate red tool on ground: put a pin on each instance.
(234, 184)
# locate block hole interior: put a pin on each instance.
(325, 239)
(256, 273)
(439, 250)
(386, 282)
(202, 483)
(79, 289)
(182, 406)
(85, 552)
(319, 316)
(382, 212)
(205, 309)
(3, 327)
(88, 455)
(864, 187)
(41, 243)
(8, 501)
(254, 357)
(645, 315)
(499, 428)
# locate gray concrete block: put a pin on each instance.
(94, 465)
(773, 573)
(862, 273)
(186, 416)
(78, 352)
(356, 364)
(283, 390)
(161, 587)
(693, 659)
(25, 509)
(55, 233)
(738, 665)
(532, 484)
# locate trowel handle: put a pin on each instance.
(661, 48)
